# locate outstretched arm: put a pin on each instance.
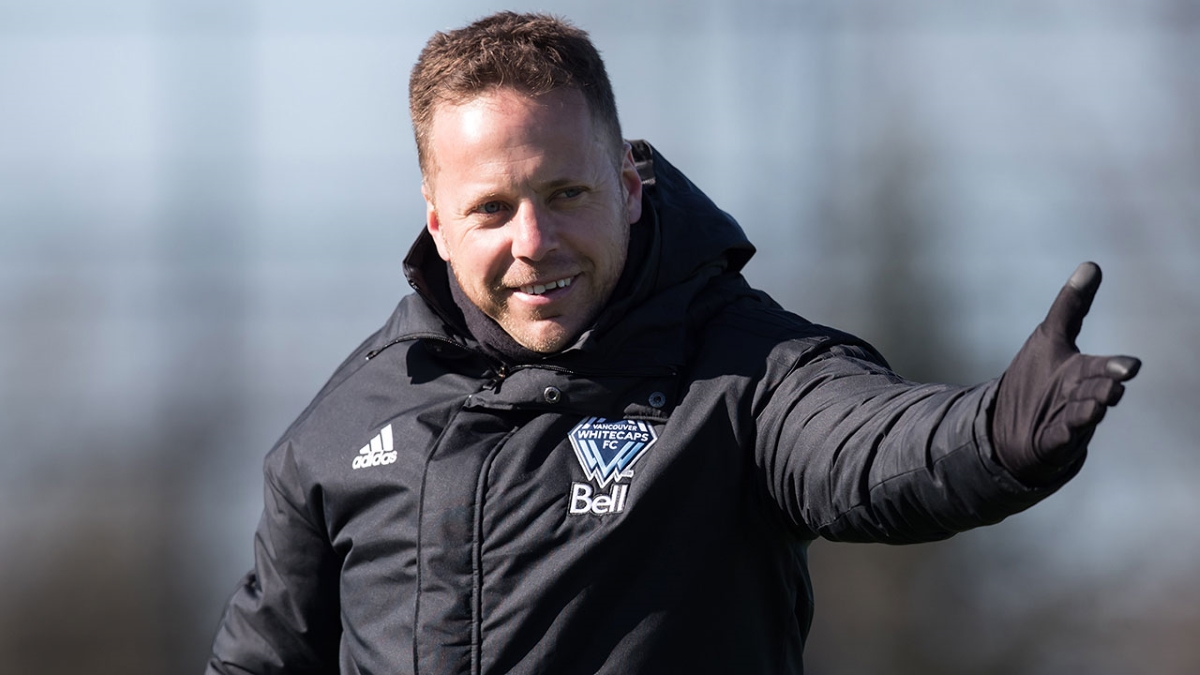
(1052, 397)
(851, 451)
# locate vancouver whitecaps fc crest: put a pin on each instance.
(608, 448)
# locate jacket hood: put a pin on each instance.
(693, 232)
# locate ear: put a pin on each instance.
(433, 224)
(632, 183)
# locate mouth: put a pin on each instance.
(539, 289)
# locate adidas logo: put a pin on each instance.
(378, 452)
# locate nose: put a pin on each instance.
(533, 234)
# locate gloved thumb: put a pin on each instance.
(1065, 318)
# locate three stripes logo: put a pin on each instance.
(378, 452)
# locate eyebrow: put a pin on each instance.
(557, 183)
(549, 185)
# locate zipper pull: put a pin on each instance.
(498, 375)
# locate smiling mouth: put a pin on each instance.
(538, 289)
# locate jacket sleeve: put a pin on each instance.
(284, 616)
(850, 451)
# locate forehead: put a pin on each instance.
(499, 105)
(505, 126)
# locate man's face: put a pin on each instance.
(525, 201)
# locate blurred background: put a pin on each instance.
(204, 205)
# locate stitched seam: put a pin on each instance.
(420, 538)
(863, 504)
(477, 557)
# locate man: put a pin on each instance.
(585, 444)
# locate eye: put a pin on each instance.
(490, 208)
(571, 192)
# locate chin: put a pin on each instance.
(544, 345)
(543, 339)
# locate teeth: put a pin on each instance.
(538, 289)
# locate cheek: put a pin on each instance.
(618, 243)
(607, 259)
(484, 258)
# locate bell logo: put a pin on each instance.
(582, 500)
(607, 451)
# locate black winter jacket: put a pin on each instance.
(638, 503)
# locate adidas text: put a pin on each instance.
(378, 452)
(582, 500)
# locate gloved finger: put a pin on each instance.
(1119, 368)
(1060, 444)
(1083, 414)
(1103, 390)
(1053, 441)
(1092, 366)
(1066, 315)
(1123, 368)
(1067, 423)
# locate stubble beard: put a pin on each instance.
(518, 327)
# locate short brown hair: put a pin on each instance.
(532, 53)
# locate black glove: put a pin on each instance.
(1052, 397)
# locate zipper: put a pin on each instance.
(501, 371)
(656, 371)
(437, 337)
